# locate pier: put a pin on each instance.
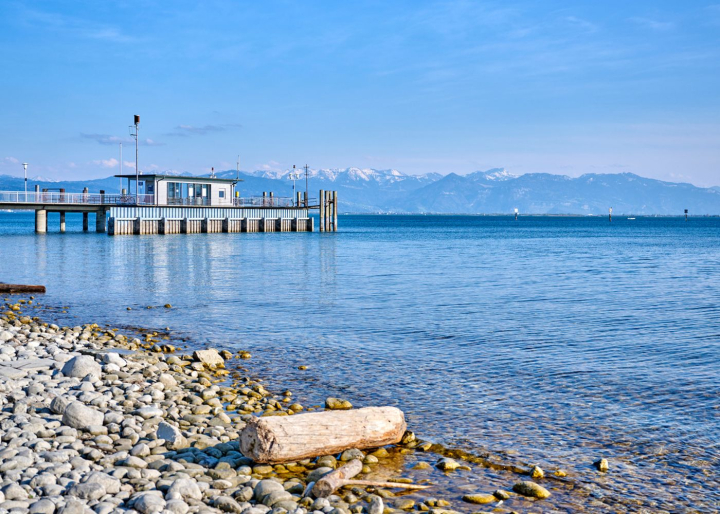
(178, 205)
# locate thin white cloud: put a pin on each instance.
(72, 25)
(652, 24)
(581, 23)
(107, 163)
(105, 139)
(10, 160)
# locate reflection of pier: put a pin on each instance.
(178, 205)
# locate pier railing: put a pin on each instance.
(33, 197)
(264, 201)
(20, 197)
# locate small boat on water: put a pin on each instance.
(631, 218)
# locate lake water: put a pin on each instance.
(550, 341)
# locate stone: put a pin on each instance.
(177, 507)
(174, 440)
(536, 472)
(265, 487)
(210, 358)
(227, 504)
(352, 453)
(148, 412)
(149, 502)
(14, 492)
(185, 489)
(167, 380)
(337, 404)
(113, 358)
(73, 506)
(602, 465)
(133, 462)
(479, 499)
(82, 366)
(531, 489)
(110, 484)
(77, 415)
(501, 494)
(376, 506)
(405, 504)
(87, 491)
(42, 506)
(447, 464)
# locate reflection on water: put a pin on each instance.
(553, 341)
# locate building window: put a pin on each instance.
(221, 193)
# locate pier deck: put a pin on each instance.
(139, 214)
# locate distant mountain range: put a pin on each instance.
(482, 192)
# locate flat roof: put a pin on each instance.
(186, 178)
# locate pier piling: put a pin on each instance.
(40, 221)
(62, 222)
(85, 221)
(100, 220)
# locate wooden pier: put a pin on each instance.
(179, 205)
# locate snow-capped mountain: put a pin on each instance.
(491, 191)
(348, 175)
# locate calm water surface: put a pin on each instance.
(552, 341)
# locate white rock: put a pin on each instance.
(167, 380)
(113, 358)
(6, 336)
(59, 404)
(184, 488)
(174, 440)
(111, 484)
(77, 415)
(149, 502)
(82, 366)
(211, 358)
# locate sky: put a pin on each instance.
(557, 87)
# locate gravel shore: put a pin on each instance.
(95, 421)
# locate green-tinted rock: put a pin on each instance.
(531, 489)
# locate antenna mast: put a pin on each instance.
(306, 185)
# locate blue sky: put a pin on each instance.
(558, 87)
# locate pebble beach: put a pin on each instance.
(94, 420)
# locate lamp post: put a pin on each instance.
(134, 133)
(25, 168)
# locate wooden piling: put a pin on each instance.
(85, 221)
(62, 221)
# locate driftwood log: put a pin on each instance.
(342, 476)
(326, 485)
(20, 288)
(276, 439)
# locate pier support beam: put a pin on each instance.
(62, 222)
(100, 221)
(85, 221)
(40, 221)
